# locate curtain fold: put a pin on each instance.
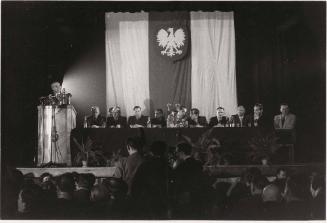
(127, 61)
(213, 62)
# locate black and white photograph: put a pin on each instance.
(163, 110)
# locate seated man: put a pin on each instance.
(285, 120)
(240, 119)
(259, 119)
(110, 112)
(171, 119)
(220, 120)
(159, 120)
(96, 120)
(181, 119)
(195, 120)
(138, 120)
(116, 120)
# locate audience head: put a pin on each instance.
(281, 173)
(284, 109)
(257, 184)
(220, 112)
(116, 187)
(66, 183)
(317, 185)
(183, 150)
(295, 187)
(45, 177)
(29, 199)
(258, 109)
(95, 110)
(116, 112)
(133, 145)
(56, 87)
(84, 182)
(240, 110)
(48, 186)
(271, 193)
(158, 113)
(137, 111)
(158, 148)
(99, 193)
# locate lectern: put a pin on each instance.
(54, 127)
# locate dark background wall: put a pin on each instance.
(280, 55)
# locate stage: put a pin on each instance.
(220, 172)
(233, 140)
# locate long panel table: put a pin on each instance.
(234, 140)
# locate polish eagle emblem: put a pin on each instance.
(171, 42)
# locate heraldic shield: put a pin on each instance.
(172, 39)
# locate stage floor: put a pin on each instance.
(221, 171)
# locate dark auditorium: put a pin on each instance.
(163, 110)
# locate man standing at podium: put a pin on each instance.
(54, 128)
(56, 87)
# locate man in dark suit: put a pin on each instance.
(116, 120)
(220, 120)
(188, 184)
(159, 120)
(195, 120)
(285, 120)
(240, 119)
(138, 120)
(96, 120)
(258, 119)
(133, 161)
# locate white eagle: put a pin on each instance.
(171, 42)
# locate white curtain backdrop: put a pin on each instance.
(127, 61)
(213, 62)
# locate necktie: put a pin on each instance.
(241, 121)
(283, 120)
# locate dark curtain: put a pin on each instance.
(280, 57)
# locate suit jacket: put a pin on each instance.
(132, 164)
(201, 121)
(235, 119)
(214, 121)
(187, 175)
(159, 121)
(289, 122)
(263, 122)
(99, 121)
(122, 121)
(141, 121)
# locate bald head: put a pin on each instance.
(271, 193)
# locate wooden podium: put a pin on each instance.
(54, 127)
